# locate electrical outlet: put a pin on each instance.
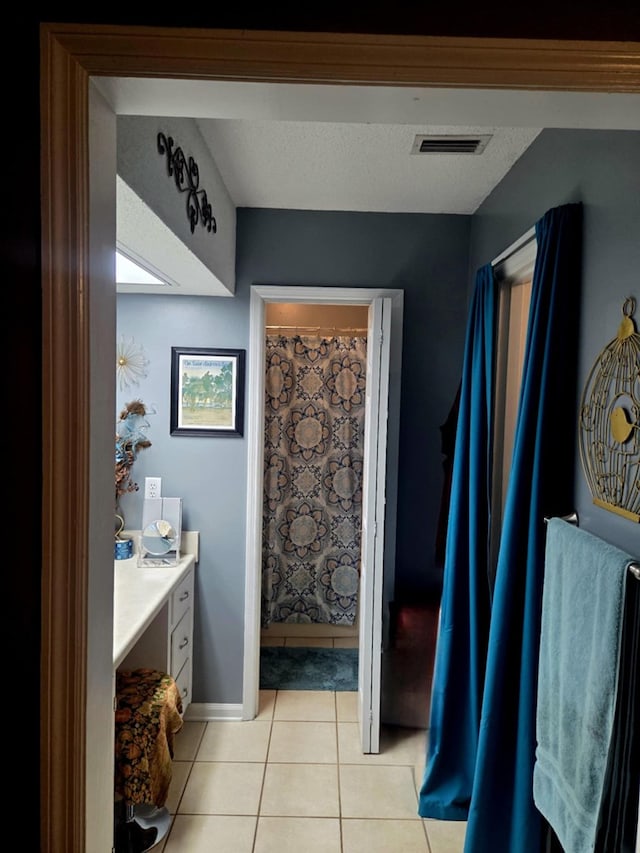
(153, 487)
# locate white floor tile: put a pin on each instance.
(378, 792)
(296, 834)
(179, 774)
(235, 741)
(203, 833)
(305, 705)
(301, 800)
(347, 706)
(446, 836)
(185, 743)
(383, 836)
(300, 790)
(400, 746)
(222, 788)
(266, 704)
(303, 743)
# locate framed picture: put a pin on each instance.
(207, 391)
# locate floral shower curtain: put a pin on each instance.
(314, 418)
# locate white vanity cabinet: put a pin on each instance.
(181, 643)
(153, 618)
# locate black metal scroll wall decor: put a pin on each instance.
(186, 177)
(609, 429)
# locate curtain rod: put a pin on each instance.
(572, 518)
(514, 247)
(299, 328)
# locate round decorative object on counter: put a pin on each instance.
(158, 537)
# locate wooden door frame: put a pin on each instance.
(70, 55)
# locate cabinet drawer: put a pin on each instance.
(181, 639)
(181, 598)
(183, 682)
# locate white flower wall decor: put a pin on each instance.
(131, 363)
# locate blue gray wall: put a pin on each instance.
(433, 260)
(208, 473)
(426, 257)
(601, 169)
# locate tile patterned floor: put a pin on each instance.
(294, 781)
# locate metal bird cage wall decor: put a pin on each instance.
(609, 424)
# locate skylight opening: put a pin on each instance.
(128, 272)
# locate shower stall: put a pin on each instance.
(315, 382)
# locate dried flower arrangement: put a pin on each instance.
(131, 437)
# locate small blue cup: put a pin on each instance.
(123, 549)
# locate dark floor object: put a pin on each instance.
(308, 668)
(407, 665)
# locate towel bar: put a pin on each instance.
(572, 518)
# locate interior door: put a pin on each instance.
(373, 509)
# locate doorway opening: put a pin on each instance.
(383, 312)
(315, 384)
(514, 272)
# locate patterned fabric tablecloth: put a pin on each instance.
(148, 716)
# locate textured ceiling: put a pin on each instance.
(343, 147)
(348, 147)
(362, 167)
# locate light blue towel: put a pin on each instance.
(582, 610)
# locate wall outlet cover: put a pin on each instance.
(153, 487)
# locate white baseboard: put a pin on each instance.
(212, 711)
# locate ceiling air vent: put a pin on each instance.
(427, 144)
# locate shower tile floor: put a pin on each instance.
(294, 779)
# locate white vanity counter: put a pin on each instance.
(153, 615)
(139, 594)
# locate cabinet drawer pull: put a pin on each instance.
(185, 691)
(184, 643)
(184, 596)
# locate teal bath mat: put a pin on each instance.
(303, 668)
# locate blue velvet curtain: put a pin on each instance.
(464, 613)
(480, 762)
(502, 816)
